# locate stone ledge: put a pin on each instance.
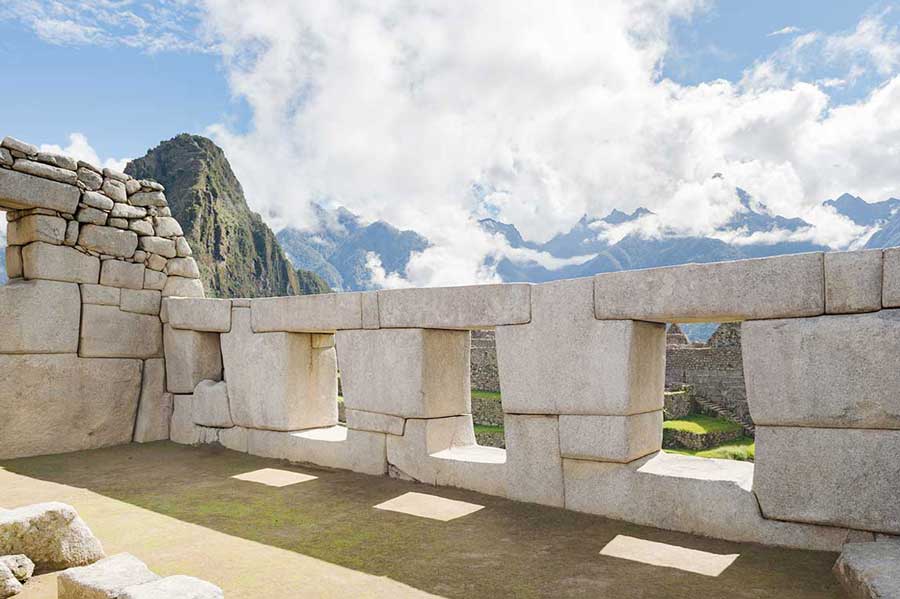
(323, 313)
(199, 314)
(469, 307)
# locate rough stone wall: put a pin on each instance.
(91, 252)
(484, 361)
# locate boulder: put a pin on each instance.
(9, 585)
(97, 200)
(869, 570)
(108, 240)
(50, 534)
(158, 245)
(182, 587)
(46, 171)
(106, 579)
(166, 226)
(20, 566)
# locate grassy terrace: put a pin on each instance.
(700, 424)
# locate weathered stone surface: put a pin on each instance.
(91, 180)
(830, 371)
(567, 362)
(235, 438)
(100, 395)
(155, 406)
(144, 301)
(211, 315)
(695, 495)
(333, 447)
(278, 381)
(370, 317)
(156, 262)
(50, 534)
(375, 422)
(182, 287)
(115, 175)
(19, 566)
(72, 229)
(890, 291)
(610, 438)
(166, 226)
(853, 281)
(471, 307)
(106, 579)
(116, 273)
(59, 160)
(154, 280)
(171, 587)
(20, 146)
(19, 191)
(183, 267)
(39, 317)
(533, 463)
(91, 216)
(97, 200)
(149, 198)
(442, 451)
(122, 210)
(100, 295)
(36, 227)
(108, 240)
(5, 157)
(108, 332)
(191, 357)
(59, 263)
(141, 227)
(323, 313)
(46, 171)
(9, 585)
(777, 287)
(839, 477)
(14, 268)
(158, 245)
(182, 248)
(210, 405)
(869, 570)
(182, 428)
(412, 373)
(114, 189)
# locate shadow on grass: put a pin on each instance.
(507, 549)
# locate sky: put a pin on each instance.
(432, 114)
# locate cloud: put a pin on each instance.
(423, 115)
(80, 148)
(784, 31)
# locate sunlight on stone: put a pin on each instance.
(668, 556)
(429, 506)
(274, 477)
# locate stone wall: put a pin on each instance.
(91, 252)
(484, 361)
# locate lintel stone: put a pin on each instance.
(853, 281)
(20, 191)
(321, 313)
(467, 307)
(200, 314)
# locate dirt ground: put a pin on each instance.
(178, 509)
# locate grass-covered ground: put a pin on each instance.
(700, 424)
(487, 428)
(742, 448)
(494, 395)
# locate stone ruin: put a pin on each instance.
(98, 348)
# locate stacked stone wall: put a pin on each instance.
(714, 373)
(90, 254)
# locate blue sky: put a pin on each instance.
(397, 110)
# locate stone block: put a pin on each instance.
(50, 534)
(610, 438)
(19, 191)
(158, 245)
(18, 145)
(114, 189)
(100, 295)
(182, 287)
(97, 200)
(14, 269)
(182, 587)
(332, 447)
(196, 314)
(155, 406)
(105, 579)
(442, 451)
(370, 317)
(108, 332)
(869, 570)
(321, 340)
(470, 307)
(830, 371)
(9, 585)
(19, 566)
(210, 405)
(59, 263)
(322, 313)
(46, 171)
(149, 198)
(890, 289)
(411, 373)
(277, 381)
(701, 496)
(116, 273)
(777, 287)
(830, 476)
(91, 216)
(100, 395)
(567, 362)
(190, 358)
(166, 226)
(235, 438)
(154, 280)
(533, 463)
(853, 281)
(144, 301)
(108, 240)
(375, 422)
(182, 267)
(182, 428)
(36, 227)
(39, 317)
(72, 229)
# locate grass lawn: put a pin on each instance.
(488, 428)
(495, 395)
(742, 448)
(700, 424)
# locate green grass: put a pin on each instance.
(700, 424)
(494, 395)
(488, 428)
(742, 449)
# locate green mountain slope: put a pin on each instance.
(236, 251)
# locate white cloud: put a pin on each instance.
(80, 148)
(785, 31)
(398, 111)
